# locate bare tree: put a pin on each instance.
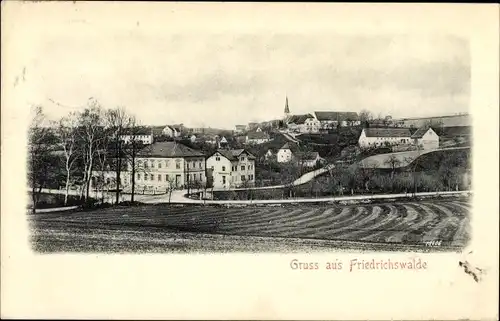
(365, 115)
(118, 122)
(38, 141)
(393, 162)
(90, 123)
(66, 135)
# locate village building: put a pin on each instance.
(284, 154)
(255, 138)
(160, 166)
(231, 168)
(144, 135)
(376, 137)
(171, 131)
(425, 138)
(303, 123)
(332, 119)
(308, 159)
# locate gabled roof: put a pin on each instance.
(233, 154)
(286, 146)
(420, 132)
(307, 155)
(387, 132)
(298, 119)
(336, 116)
(257, 135)
(168, 149)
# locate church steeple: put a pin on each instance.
(287, 109)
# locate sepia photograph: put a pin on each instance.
(297, 144)
(153, 136)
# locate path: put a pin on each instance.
(403, 158)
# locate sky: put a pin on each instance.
(220, 80)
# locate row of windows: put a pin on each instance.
(235, 168)
(159, 164)
(242, 158)
(243, 178)
(151, 177)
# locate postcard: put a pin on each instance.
(249, 161)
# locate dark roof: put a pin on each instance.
(307, 155)
(387, 132)
(257, 135)
(334, 115)
(286, 146)
(169, 149)
(298, 119)
(420, 132)
(233, 154)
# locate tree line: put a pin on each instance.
(67, 151)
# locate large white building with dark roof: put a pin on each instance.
(160, 166)
(376, 137)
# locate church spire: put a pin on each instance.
(287, 110)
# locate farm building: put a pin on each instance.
(425, 138)
(374, 137)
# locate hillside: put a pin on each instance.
(424, 160)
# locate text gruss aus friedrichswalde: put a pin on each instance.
(359, 265)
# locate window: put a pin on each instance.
(242, 178)
(251, 177)
(242, 158)
(166, 163)
(159, 178)
(166, 177)
(145, 177)
(201, 176)
(223, 179)
(138, 177)
(152, 164)
(187, 165)
(200, 165)
(217, 158)
(242, 167)
(223, 168)
(178, 165)
(145, 164)
(152, 177)
(159, 164)
(212, 168)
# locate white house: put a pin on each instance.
(163, 165)
(256, 138)
(426, 138)
(303, 123)
(192, 138)
(143, 135)
(171, 131)
(284, 154)
(231, 168)
(375, 137)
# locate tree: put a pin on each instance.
(365, 116)
(90, 123)
(132, 149)
(394, 163)
(40, 160)
(118, 122)
(66, 135)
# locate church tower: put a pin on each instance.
(287, 109)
